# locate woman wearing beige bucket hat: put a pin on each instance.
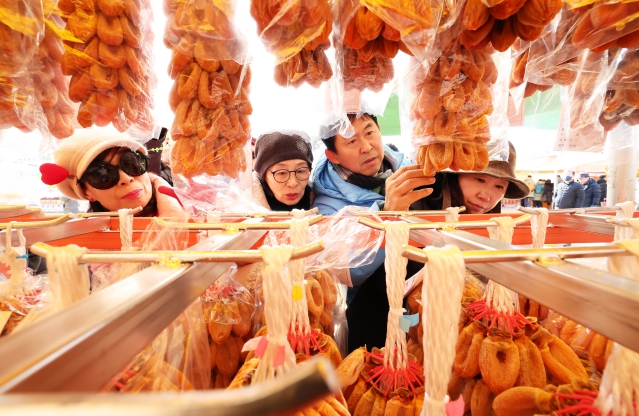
(480, 192)
(109, 170)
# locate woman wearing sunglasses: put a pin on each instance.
(282, 171)
(111, 172)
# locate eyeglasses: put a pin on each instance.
(103, 175)
(283, 175)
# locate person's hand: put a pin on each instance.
(400, 188)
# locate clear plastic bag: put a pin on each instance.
(449, 99)
(176, 360)
(297, 33)
(622, 92)
(210, 95)
(33, 89)
(604, 24)
(110, 61)
(500, 23)
(228, 312)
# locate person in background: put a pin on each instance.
(111, 171)
(547, 196)
(569, 194)
(592, 193)
(538, 193)
(282, 171)
(70, 205)
(531, 185)
(155, 147)
(603, 186)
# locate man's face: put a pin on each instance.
(569, 175)
(583, 180)
(363, 152)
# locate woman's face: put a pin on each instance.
(481, 192)
(129, 192)
(291, 191)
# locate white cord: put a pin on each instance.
(627, 210)
(68, 282)
(277, 289)
(619, 387)
(453, 214)
(443, 285)
(503, 300)
(299, 236)
(395, 352)
(126, 228)
(17, 266)
(538, 227)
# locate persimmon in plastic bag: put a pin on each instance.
(604, 24)
(33, 89)
(210, 94)
(450, 102)
(110, 62)
(297, 33)
(621, 101)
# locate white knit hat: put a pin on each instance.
(76, 153)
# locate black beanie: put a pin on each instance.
(277, 147)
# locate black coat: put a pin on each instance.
(549, 188)
(592, 194)
(603, 185)
(569, 195)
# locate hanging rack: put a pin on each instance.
(236, 256)
(599, 300)
(268, 214)
(494, 256)
(38, 224)
(362, 213)
(445, 225)
(89, 342)
(299, 388)
(231, 226)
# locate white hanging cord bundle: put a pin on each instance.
(395, 352)
(625, 212)
(619, 389)
(68, 282)
(126, 228)
(538, 227)
(277, 357)
(453, 214)
(444, 278)
(300, 325)
(503, 300)
(14, 258)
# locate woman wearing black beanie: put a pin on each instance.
(282, 171)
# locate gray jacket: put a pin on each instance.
(569, 195)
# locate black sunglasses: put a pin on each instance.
(103, 175)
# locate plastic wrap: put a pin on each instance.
(67, 283)
(297, 33)
(210, 94)
(176, 360)
(19, 291)
(604, 24)
(33, 89)
(500, 23)
(228, 312)
(179, 357)
(109, 59)
(450, 102)
(621, 102)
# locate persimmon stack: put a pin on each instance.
(110, 62)
(500, 23)
(297, 33)
(210, 95)
(452, 100)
